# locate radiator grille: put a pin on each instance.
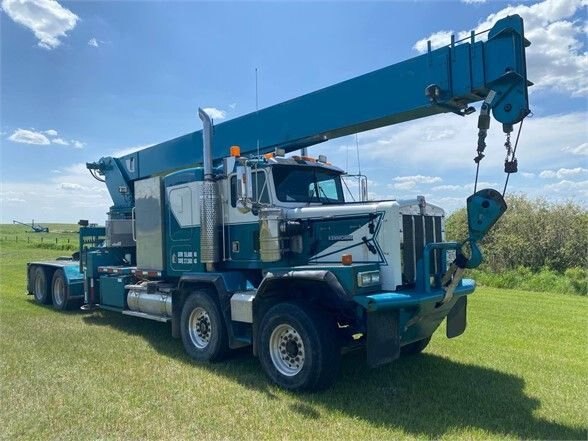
(417, 231)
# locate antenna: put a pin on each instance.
(256, 92)
(357, 150)
(358, 165)
(257, 109)
(257, 119)
(346, 158)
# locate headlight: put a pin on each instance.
(368, 278)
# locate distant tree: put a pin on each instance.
(532, 233)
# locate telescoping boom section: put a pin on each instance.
(448, 79)
(235, 243)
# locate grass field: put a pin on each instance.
(519, 371)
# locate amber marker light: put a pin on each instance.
(235, 151)
(346, 259)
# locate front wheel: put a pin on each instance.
(416, 347)
(202, 328)
(298, 347)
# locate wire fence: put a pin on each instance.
(52, 242)
(47, 240)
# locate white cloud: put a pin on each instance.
(93, 42)
(233, 106)
(13, 200)
(71, 186)
(527, 175)
(437, 39)
(467, 187)
(434, 134)
(215, 113)
(580, 150)
(407, 185)
(48, 20)
(569, 189)
(24, 136)
(447, 187)
(419, 179)
(556, 58)
(59, 141)
(469, 2)
(410, 182)
(563, 173)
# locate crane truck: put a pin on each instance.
(235, 240)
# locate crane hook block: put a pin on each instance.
(485, 207)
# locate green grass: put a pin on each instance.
(519, 371)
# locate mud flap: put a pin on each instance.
(383, 337)
(456, 319)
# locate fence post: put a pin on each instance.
(41, 240)
(55, 241)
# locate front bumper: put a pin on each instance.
(405, 299)
(396, 319)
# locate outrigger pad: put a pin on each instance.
(456, 319)
(485, 207)
(383, 337)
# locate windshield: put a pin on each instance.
(307, 184)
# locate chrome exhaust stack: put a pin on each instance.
(209, 201)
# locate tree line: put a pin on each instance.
(533, 233)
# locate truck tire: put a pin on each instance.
(298, 348)
(41, 288)
(202, 328)
(59, 291)
(416, 347)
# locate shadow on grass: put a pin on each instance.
(424, 395)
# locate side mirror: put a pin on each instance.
(244, 188)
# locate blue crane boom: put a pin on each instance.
(448, 79)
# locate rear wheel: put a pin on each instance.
(202, 328)
(41, 288)
(416, 347)
(59, 291)
(298, 347)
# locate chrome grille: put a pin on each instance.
(417, 231)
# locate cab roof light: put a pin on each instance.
(322, 158)
(280, 152)
(235, 151)
(346, 259)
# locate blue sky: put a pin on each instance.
(82, 80)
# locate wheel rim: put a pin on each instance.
(59, 291)
(200, 327)
(39, 287)
(286, 350)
